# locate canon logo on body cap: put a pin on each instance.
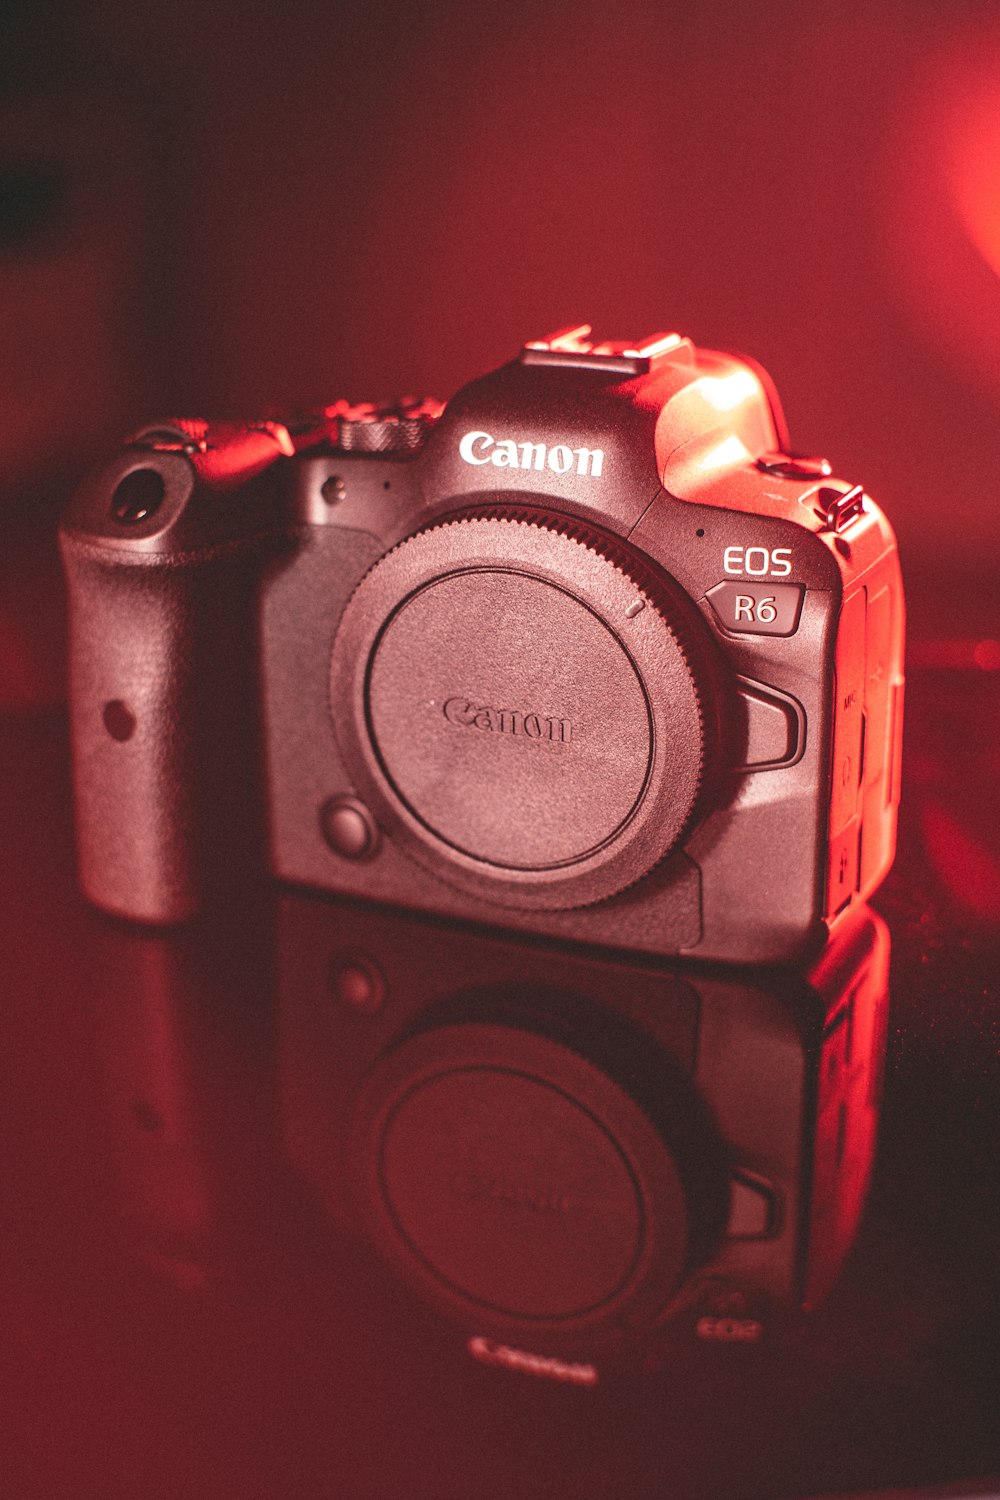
(547, 728)
(504, 453)
(478, 1187)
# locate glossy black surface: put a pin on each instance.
(181, 1319)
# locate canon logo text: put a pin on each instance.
(542, 728)
(477, 1187)
(504, 453)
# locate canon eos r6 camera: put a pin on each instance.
(585, 652)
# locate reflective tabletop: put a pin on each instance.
(313, 1198)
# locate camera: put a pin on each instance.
(583, 1161)
(585, 652)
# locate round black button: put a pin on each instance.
(358, 984)
(349, 828)
(333, 489)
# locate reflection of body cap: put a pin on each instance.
(511, 1177)
(583, 1157)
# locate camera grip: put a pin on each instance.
(158, 700)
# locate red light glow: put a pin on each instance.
(943, 205)
(969, 869)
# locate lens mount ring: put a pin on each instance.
(523, 703)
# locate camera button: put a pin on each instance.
(774, 724)
(358, 984)
(751, 1209)
(349, 828)
(752, 607)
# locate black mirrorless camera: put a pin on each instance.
(585, 652)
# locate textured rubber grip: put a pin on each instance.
(163, 553)
(131, 664)
(164, 744)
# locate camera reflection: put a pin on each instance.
(581, 1159)
(574, 1162)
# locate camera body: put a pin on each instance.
(582, 1159)
(586, 652)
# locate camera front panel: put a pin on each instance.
(519, 715)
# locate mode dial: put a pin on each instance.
(367, 428)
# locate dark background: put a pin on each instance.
(231, 208)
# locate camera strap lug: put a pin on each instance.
(837, 509)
